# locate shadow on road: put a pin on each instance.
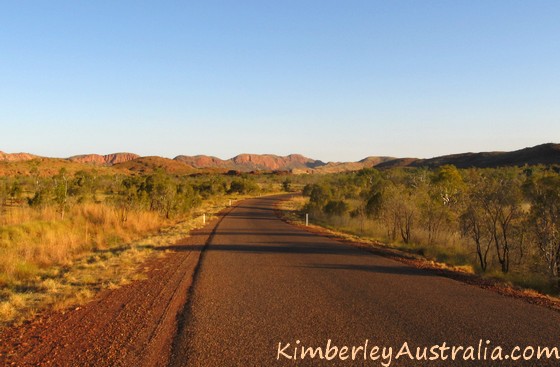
(255, 208)
(265, 248)
(400, 270)
(261, 233)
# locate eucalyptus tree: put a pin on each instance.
(496, 204)
(544, 220)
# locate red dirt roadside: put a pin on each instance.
(130, 326)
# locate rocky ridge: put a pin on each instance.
(541, 154)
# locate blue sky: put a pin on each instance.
(333, 80)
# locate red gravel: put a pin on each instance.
(130, 326)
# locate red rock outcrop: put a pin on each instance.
(273, 162)
(108, 159)
(203, 161)
(16, 157)
(152, 163)
(252, 162)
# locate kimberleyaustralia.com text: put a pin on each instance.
(385, 355)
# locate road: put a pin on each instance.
(262, 282)
(248, 289)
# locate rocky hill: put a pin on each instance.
(16, 157)
(397, 162)
(105, 160)
(273, 162)
(375, 160)
(203, 161)
(541, 154)
(252, 162)
(150, 164)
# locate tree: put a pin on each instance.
(15, 191)
(3, 195)
(242, 186)
(438, 200)
(474, 227)
(129, 196)
(187, 198)
(497, 196)
(335, 207)
(544, 221)
(162, 192)
(447, 184)
(34, 172)
(287, 185)
(399, 212)
(83, 186)
(212, 185)
(43, 194)
(434, 214)
(369, 186)
(372, 184)
(61, 191)
(307, 190)
(406, 217)
(318, 197)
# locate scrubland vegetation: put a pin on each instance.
(65, 236)
(500, 222)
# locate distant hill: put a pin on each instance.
(46, 167)
(375, 161)
(150, 164)
(16, 157)
(21, 163)
(541, 154)
(106, 160)
(334, 167)
(397, 162)
(203, 161)
(274, 162)
(252, 162)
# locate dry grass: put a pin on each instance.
(291, 208)
(31, 241)
(48, 263)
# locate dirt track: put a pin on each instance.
(130, 326)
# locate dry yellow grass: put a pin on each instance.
(33, 240)
(46, 262)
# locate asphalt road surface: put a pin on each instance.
(265, 289)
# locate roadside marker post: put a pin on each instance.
(306, 219)
(204, 218)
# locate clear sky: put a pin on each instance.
(333, 80)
